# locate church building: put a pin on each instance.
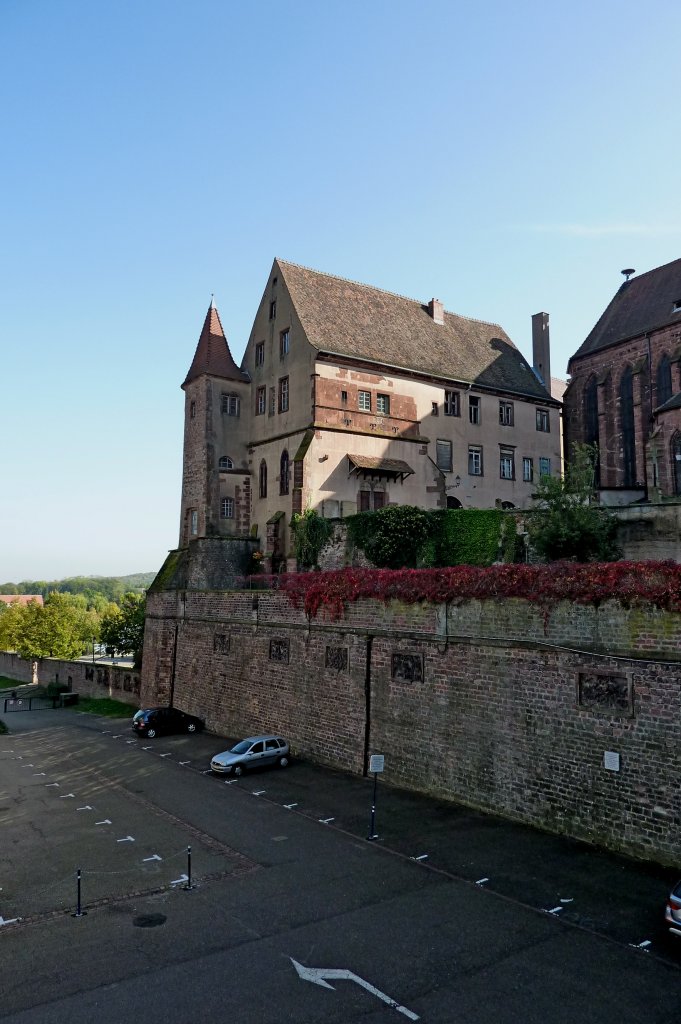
(624, 393)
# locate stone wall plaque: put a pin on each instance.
(337, 658)
(279, 650)
(605, 692)
(407, 668)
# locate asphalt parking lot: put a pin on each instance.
(125, 810)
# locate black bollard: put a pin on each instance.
(79, 912)
(189, 868)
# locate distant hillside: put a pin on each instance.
(111, 588)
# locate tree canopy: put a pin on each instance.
(566, 523)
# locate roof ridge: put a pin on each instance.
(653, 270)
(384, 291)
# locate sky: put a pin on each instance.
(506, 158)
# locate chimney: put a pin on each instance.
(541, 349)
(437, 311)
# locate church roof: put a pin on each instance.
(212, 354)
(644, 303)
(359, 322)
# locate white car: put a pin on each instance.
(254, 752)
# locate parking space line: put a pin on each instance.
(127, 839)
(107, 821)
(258, 792)
(481, 881)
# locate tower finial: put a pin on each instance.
(212, 303)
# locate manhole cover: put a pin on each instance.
(149, 920)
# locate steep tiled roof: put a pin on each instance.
(212, 352)
(21, 598)
(364, 323)
(642, 304)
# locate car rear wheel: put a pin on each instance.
(151, 733)
(191, 727)
(283, 762)
(238, 770)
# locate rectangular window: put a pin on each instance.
(383, 404)
(284, 342)
(506, 414)
(364, 401)
(192, 410)
(545, 467)
(543, 420)
(475, 460)
(379, 499)
(230, 404)
(528, 470)
(193, 522)
(344, 397)
(261, 401)
(474, 413)
(452, 403)
(283, 394)
(506, 464)
(260, 354)
(227, 508)
(273, 309)
(443, 455)
(435, 409)
(364, 501)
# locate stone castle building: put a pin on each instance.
(350, 398)
(625, 390)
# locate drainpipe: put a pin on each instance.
(367, 705)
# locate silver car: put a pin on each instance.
(672, 912)
(254, 752)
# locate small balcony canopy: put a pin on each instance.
(373, 468)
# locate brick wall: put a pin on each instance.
(488, 703)
(83, 677)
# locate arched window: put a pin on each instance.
(591, 419)
(263, 479)
(627, 427)
(225, 462)
(676, 461)
(283, 473)
(664, 381)
(507, 505)
(453, 502)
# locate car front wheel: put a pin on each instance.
(151, 733)
(283, 762)
(238, 770)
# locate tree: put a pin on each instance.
(122, 629)
(59, 629)
(565, 522)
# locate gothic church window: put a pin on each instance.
(664, 381)
(627, 428)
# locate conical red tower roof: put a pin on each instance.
(212, 354)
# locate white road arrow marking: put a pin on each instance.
(258, 792)
(12, 920)
(182, 878)
(154, 856)
(481, 881)
(556, 910)
(68, 796)
(319, 974)
(105, 822)
(38, 773)
(325, 821)
(86, 808)
(128, 839)
(290, 807)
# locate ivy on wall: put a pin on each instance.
(402, 536)
(631, 583)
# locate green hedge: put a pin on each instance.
(402, 536)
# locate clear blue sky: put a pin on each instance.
(505, 158)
